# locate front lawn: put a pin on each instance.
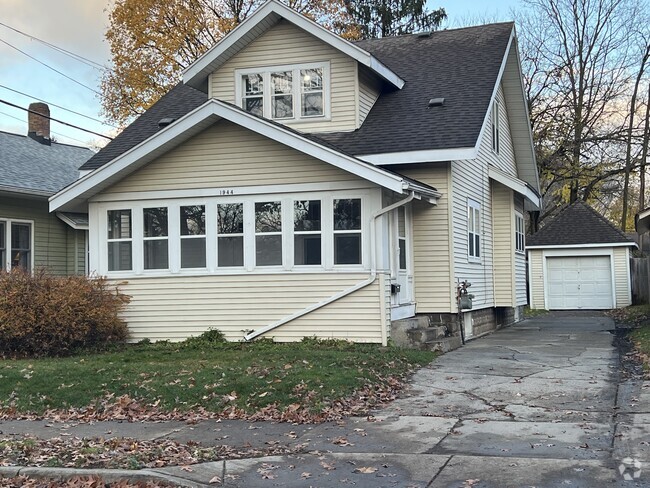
(307, 381)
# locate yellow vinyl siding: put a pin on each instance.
(502, 221)
(227, 155)
(286, 44)
(536, 263)
(622, 277)
(369, 90)
(174, 308)
(431, 249)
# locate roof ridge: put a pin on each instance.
(602, 218)
(25, 136)
(435, 31)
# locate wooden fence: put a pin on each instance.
(640, 271)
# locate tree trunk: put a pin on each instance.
(644, 153)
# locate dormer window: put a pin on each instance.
(290, 93)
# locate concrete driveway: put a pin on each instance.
(534, 405)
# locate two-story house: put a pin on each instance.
(296, 184)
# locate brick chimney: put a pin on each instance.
(39, 122)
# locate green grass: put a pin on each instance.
(530, 313)
(636, 313)
(312, 373)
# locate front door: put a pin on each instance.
(402, 300)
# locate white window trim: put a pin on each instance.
(157, 238)
(473, 205)
(266, 71)
(519, 217)
(6, 266)
(287, 199)
(495, 127)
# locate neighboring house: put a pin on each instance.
(33, 168)
(642, 224)
(296, 184)
(579, 260)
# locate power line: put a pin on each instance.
(50, 67)
(85, 143)
(55, 120)
(76, 56)
(57, 106)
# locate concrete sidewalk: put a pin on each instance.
(541, 404)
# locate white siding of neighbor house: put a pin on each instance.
(433, 266)
(536, 279)
(504, 252)
(622, 276)
(174, 308)
(369, 90)
(227, 155)
(521, 297)
(286, 44)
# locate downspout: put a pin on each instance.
(362, 284)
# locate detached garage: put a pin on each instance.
(579, 260)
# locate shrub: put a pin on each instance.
(209, 338)
(45, 315)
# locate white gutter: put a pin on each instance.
(362, 284)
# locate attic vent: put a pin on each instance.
(424, 34)
(436, 102)
(165, 122)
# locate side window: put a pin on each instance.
(520, 235)
(307, 232)
(473, 230)
(347, 231)
(155, 238)
(268, 234)
(496, 112)
(193, 236)
(230, 235)
(120, 246)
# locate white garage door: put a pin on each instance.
(579, 282)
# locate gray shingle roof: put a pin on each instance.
(577, 224)
(29, 166)
(461, 65)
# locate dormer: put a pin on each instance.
(280, 65)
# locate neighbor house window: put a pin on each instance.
(268, 234)
(307, 232)
(120, 248)
(193, 236)
(286, 92)
(496, 110)
(155, 238)
(520, 241)
(15, 245)
(347, 231)
(473, 230)
(230, 234)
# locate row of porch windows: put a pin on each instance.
(231, 220)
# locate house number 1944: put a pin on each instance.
(226, 192)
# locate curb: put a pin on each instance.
(106, 475)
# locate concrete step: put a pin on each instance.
(426, 334)
(444, 345)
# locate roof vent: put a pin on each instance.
(424, 34)
(165, 122)
(436, 102)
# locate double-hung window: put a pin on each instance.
(520, 241)
(120, 240)
(290, 93)
(155, 238)
(230, 235)
(15, 245)
(347, 231)
(473, 230)
(307, 232)
(268, 233)
(193, 236)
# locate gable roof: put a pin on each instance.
(27, 166)
(204, 116)
(578, 225)
(265, 17)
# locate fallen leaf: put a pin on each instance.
(365, 470)
(214, 479)
(305, 475)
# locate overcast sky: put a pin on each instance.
(78, 26)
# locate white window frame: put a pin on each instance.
(308, 232)
(157, 238)
(296, 90)
(474, 214)
(124, 239)
(6, 265)
(520, 233)
(326, 198)
(496, 127)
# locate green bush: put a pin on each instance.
(45, 315)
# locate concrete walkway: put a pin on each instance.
(541, 404)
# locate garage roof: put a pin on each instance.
(578, 224)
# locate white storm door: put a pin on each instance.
(579, 282)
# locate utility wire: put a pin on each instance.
(55, 120)
(50, 67)
(85, 143)
(57, 106)
(78, 57)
